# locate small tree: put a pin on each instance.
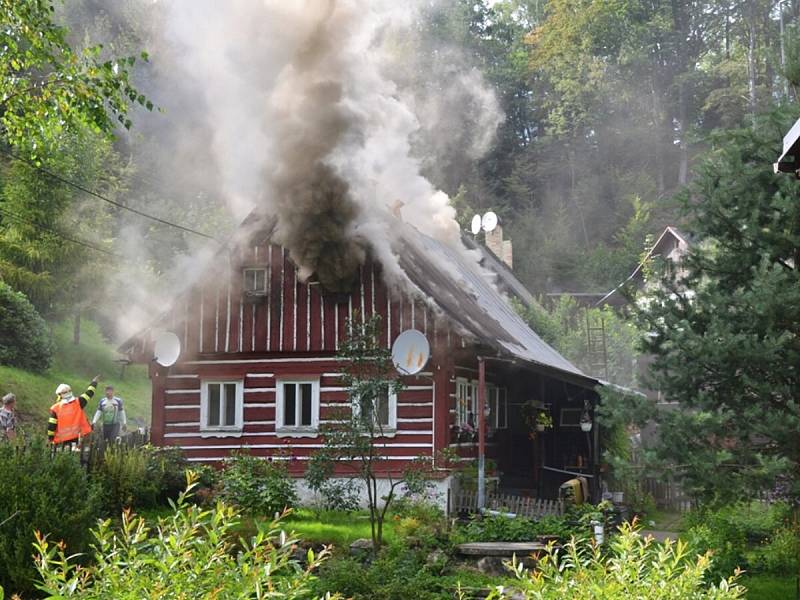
(355, 436)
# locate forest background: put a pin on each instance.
(607, 105)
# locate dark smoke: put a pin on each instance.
(319, 228)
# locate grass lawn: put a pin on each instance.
(769, 587)
(76, 365)
(337, 528)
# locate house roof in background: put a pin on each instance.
(614, 297)
(788, 161)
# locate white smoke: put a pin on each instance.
(291, 83)
(294, 109)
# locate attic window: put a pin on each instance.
(255, 281)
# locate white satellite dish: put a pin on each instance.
(167, 349)
(476, 225)
(410, 352)
(489, 221)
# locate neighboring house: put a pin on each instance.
(789, 161)
(670, 248)
(259, 367)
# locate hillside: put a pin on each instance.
(76, 365)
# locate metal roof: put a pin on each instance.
(466, 293)
(788, 162)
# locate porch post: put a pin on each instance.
(481, 433)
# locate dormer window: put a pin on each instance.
(255, 282)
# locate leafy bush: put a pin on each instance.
(257, 485)
(142, 477)
(397, 572)
(190, 554)
(780, 555)
(732, 532)
(44, 492)
(332, 494)
(25, 339)
(500, 528)
(629, 567)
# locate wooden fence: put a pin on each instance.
(92, 448)
(524, 506)
(667, 493)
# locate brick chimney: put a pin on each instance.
(508, 254)
(500, 248)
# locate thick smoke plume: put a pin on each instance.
(298, 112)
(328, 133)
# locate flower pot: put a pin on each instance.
(586, 426)
(539, 428)
(617, 497)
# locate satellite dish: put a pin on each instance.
(410, 352)
(489, 221)
(167, 349)
(476, 225)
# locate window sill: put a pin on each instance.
(297, 433)
(220, 433)
(387, 432)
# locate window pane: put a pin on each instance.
(289, 404)
(255, 280)
(305, 417)
(501, 409)
(213, 404)
(382, 409)
(230, 404)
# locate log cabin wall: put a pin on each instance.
(294, 330)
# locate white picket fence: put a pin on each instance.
(524, 506)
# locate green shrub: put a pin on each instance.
(44, 492)
(629, 566)
(780, 555)
(25, 339)
(257, 485)
(331, 494)
(142, 477)
(500, 528)
(732, 533)
(190, 554)
(399, 572)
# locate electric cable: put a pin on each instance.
(59, 234)
(104, 198)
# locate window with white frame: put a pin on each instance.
(297, 405)
(255, 281)
(382, 409)
(466, 393)
(498, 406)
(467, 404)
(222, 405)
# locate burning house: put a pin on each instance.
(259, 370)
(343, 223)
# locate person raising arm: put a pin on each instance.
(67, 420)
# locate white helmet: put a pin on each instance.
(63, 389)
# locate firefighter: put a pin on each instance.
(67, 421)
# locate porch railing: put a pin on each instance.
(524, 506)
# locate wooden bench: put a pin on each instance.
(503, 549)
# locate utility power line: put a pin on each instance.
(104, 198)
(20, 219)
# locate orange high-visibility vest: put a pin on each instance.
(72, 422)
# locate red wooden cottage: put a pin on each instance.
(259, 368)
